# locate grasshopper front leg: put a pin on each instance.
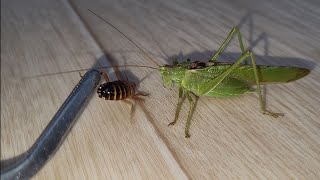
(217, 80)
(180, 100)
(182, 94)
(191, 106)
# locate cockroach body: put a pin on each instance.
(117, 90)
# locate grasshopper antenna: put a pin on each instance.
(99, 68)
(126, 37)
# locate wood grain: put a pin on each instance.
(230, 138)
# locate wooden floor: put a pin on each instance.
(230, 138)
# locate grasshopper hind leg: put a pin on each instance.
(234, 31)
(217, 80)
(245, 55)
(262, 103)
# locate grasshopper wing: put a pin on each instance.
(195, 80)
(270, 74)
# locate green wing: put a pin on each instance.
(271, 74)
(195, 81)
(239, 81)
(267, 74)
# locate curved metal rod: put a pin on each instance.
(49, 141)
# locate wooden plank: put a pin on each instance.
(230, 137)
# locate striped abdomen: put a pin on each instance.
(116, 90)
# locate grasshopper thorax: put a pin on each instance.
(174, 73)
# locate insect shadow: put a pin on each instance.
(230, 57)
(120, 71)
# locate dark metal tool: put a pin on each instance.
(29, 163)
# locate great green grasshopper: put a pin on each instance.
(215, 79)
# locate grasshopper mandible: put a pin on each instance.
(216, 79)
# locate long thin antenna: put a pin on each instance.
(126, 37)
(78, 70)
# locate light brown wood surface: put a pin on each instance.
(230, 138)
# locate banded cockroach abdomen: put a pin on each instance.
(117, 90)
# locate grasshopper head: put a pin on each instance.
(166, 74)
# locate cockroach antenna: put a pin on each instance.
(125, 37)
